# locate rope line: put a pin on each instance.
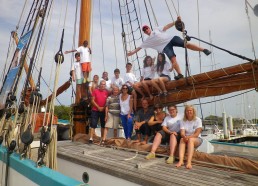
(113, 31)
(101, 36)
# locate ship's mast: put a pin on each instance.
(79, 111)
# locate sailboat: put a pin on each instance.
(213, 83)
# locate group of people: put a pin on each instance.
(173, 128)
(179, 130)
(114, 100)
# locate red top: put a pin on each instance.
(100, 97)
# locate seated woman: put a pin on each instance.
(190, 129)
(157, 119)
(163, 69)
(169, 133)
(147, 74)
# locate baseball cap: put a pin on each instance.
(144, 27)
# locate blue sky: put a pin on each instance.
(223, 22)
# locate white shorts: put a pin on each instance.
(112, 121)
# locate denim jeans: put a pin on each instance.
(127, 125)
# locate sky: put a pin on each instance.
(224, 23)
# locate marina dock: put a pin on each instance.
(132, 167)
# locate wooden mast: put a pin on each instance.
(79, 110)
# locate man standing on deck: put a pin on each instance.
(112, 112)
(98, 101)
(162, 42)
(85, 53)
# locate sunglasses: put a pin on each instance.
(125, 88)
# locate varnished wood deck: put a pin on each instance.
(148, 172)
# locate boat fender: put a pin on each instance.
(27, 137)
(180, 26)
(85, 177)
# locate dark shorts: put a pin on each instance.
(166, 137)
(156, 128)
(146, 79)
(163, 75)
(144, 129)
(175, 41)
(95, 117)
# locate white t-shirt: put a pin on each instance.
(148, 72)
(84, 53)
(191, 126)
(78, 70)
(173, 124)
(124, 105)
(108, 83)
(130, 77)
(117, 81)
(166, 68)
(157, 40)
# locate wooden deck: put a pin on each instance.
(134, 168)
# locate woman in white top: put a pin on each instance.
(126, 114)
(94, 84)
(163, 69)
(147, 74)
(190, 129)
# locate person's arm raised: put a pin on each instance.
(168, 26)
(129, 53)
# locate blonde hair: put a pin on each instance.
(194, 112)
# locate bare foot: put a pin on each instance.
(189, 166)
(179, 164)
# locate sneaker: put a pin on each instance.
(207, 52)
(90, 141)
(170, 160)
(179, 76)
(150, 156)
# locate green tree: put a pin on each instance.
(63, 112)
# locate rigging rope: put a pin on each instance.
(154, 16)
(169, 11)
(250, 28)
(101, 34)
(74, 32)
(113, 30)
(200, 59)
(148, 14)
(18, 24)
(131, 28)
